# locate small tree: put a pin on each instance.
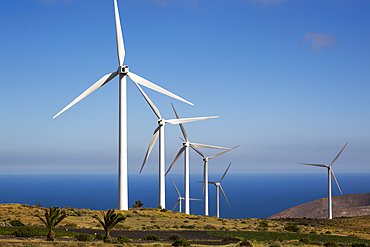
(138, 204)
(110, 220)
(52, 218)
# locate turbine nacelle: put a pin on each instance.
(205, 159)
(161, 122)
(186, 144)
(123, 69)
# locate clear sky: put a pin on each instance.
(288, 78)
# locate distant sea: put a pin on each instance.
(250, 195)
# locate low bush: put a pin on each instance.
(151, 237)
(71, 225)
(26, 232)
(358, 245)
(99, 236)
(331, 244)
(83, 237)
(230, 239)
(181, 242)
(123, 239)
(16, 223)
(292, 228)
(304, 240)
(245, 243)
(280, 239)
(187, 227)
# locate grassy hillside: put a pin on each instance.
(261, 231)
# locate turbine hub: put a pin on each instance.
(123, 69)
(186, 144)
(205, 159)
(161, 122)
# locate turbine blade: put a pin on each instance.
(181, 126)
(197, 150)
(176, 204)
(216, 155)
(212, 182)
(308, 164)
(178, 192)
(224, 195)
(332, 174)
(146, 83)
(225, 172)
(192, 199)
(151, 144)
(207, 146)
(176, 158)
(187, 120)
(91, 89)
(151, 104)
(335, 159)
(120, 45)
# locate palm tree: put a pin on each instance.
(110, 220)
(52, 218)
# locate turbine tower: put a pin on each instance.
(122, 72)
(330, 174)
(159, 131)
(205, 174)
(218, 188)
(180, 197)
(185, 148)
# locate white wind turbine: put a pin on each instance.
(205, 174)
(218, 188)
(330, 174)
(180, 198)
(185, 148)
(122, 72)
(159, 131)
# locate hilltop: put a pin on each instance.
(343, 206)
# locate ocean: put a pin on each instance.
(250, 195)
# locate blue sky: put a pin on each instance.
(289, 80)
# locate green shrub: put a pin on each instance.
(230, 239)
(331, 244)
(292, 228)
(328, 232)
(138, 204)
(71, 225)
(187, 227)
(83, 237)
(317, 243)
(181, 242)
(274, 245)
(123, 239)
(99, 236)
(263, 225)
(16, 223)
(26, 232)
(151, 237)
(163, 210)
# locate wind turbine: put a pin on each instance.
(205, 174)
(180, 198)
(218, 188)
(160, 131)
(330, 174)
(122, 72)
(185, 148)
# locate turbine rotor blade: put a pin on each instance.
(146, 83)
(212, 182)
(152, 141)
(91, 89)
(187, 120)
(120, 45)
(181, 126)
(176, 158)
(151, 104)
(224, 195)
(335, 159)
(309, 164)
(207, 146)
(225, 173)
(197, 150)
(216, 155)
(332, 174)
(176, 204)
(192, 199)
(178, 192)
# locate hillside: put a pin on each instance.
(343, 206)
